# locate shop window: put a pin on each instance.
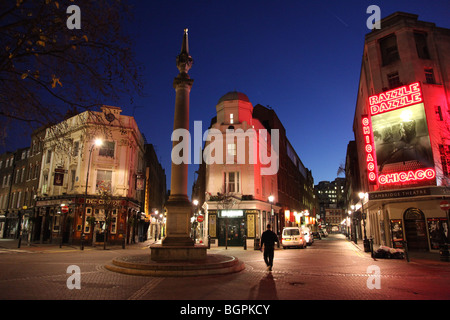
(389, 50)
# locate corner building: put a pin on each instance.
(401, 127)
(250, 175)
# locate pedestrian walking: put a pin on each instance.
(268, 240)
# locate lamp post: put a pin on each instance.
(98, 142)
(194, 221)
(271, 197)
(362, 196)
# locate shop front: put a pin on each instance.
(60, 220)
(411, 216)
(233, 228)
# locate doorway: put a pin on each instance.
(231, 232)
(415, 230)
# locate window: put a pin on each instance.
(76, 147)
(49, 156)
(231, 118)
(231, 149)
(429, 75)
(36, 170)
(444, 151)
(394, 80)
(30, 171)
(72, 179)
(231, 182)
(45, 184)
(389, 50)
(421, 45)
(107, 149)
(114, 221)
(438, 111)
(103, 180)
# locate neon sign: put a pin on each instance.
(407, 176)
(369, 149)
(395, 99)
(397, 134)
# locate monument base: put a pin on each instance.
(160, 252)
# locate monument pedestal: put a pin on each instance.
(178, 245)
(160, 252)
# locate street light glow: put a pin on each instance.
(98, 142)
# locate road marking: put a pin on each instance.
(147, 288)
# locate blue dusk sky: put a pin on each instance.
(301, 58)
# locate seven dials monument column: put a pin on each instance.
(178, 245)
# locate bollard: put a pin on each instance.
(209, 242)
(245, 242)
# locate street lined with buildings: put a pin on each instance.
(332, 268)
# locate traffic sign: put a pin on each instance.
(200, 218)
(64, 209)
(444, 205)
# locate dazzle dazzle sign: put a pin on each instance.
(397, 145)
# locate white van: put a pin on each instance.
(292, 237)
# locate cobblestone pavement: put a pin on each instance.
(331, 269)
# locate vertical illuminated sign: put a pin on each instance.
(397, 145)
(369, 149)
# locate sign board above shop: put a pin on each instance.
(231, 213)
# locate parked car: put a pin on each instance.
(323, 233)
(308, 236)
(316, 235)
(293, 237)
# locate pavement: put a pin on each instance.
(429, 257)
(418, 257)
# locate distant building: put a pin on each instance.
(331, 199)
(19, 179)
(401, 127)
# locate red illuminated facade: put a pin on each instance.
(401, 127)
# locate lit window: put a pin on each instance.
(103, 180)
(231, 149)
(107, 149)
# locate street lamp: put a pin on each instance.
(194, 218)
(97, 143)
(362, 196)
(271, 198)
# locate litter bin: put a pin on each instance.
(367, 245)
(256, 244)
